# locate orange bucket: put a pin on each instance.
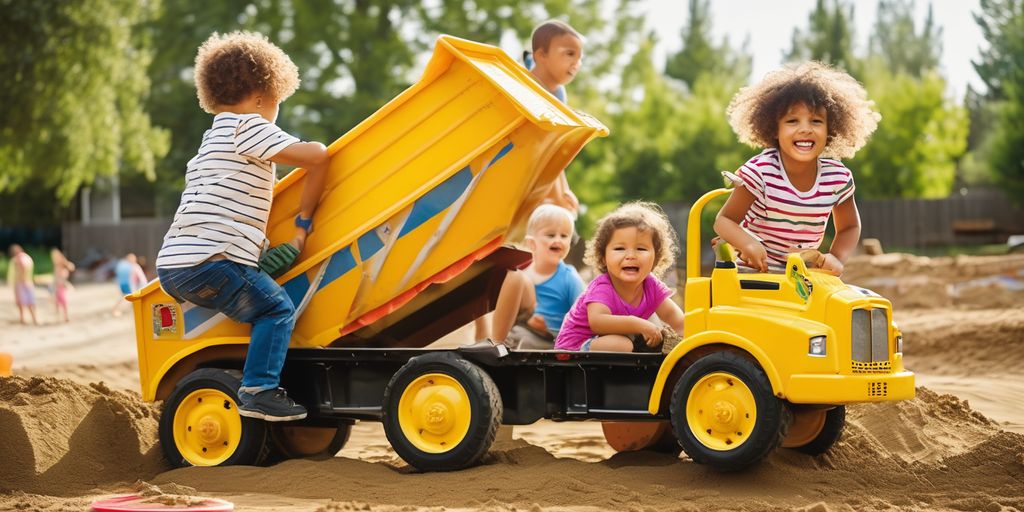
(5, 364)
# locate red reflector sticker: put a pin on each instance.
(165, 320)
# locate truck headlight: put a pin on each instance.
(899, 343)
(816, 346)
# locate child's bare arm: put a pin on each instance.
(602, 321)
(311, 156)
(561, 195)
(847, 222)
(727, 225)
(670, 313)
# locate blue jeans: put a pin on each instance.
(245, 294)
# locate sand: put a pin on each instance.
(73, 428)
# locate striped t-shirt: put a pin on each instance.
(228, 189)
(783, 218)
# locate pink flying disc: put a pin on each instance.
(136, 503)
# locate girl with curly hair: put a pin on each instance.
(806, 117)
(631, 244)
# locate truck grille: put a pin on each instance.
(870, 341)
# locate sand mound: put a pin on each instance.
(926, 429)
(921, 282)
(60, 437)
(963, 342)
(932, 452)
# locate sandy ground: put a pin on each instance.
(72, 427)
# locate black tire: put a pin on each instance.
(484, 407)
(831, 432)
(763, 433)
(249, 439)
(305, 442)
(667, 444)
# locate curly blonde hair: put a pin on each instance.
(755, 111)
(643, 216)
(230, 67)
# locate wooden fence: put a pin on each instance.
(89, 242)
(984, 216)
(978, 217)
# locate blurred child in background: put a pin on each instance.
(19, 276)
(62, 269)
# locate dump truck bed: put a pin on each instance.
(423, 192)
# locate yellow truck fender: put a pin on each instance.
(150, 388)
(709, 338)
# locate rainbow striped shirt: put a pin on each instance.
(783, 218)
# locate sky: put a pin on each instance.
(770, 24)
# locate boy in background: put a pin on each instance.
(557, 53)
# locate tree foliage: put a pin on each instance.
(670, 135)
(923, 134)
(700, 55)
(1000, 68)
(73, 81)
(897, 43)
(829, 37)
(915, 150)
(353, 57)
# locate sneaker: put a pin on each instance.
(271, 405)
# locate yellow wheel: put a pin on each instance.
(724, 412)
(441, 412)
(200, 424)
(207, 427)
(434, 412)
(721, 411)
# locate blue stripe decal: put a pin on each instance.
(437, 200)
(341, 262)
(196, 316)
(504, 151)
(369, 244)
(296, 288)
(433, 202)
(441, 197)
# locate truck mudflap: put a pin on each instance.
(847, 389)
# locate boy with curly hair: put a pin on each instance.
(211, 253)
(806, 116)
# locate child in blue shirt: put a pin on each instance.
(533, 302)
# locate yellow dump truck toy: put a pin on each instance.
(418, 201)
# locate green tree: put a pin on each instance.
(829, 37)
(915, 150)
(896, 41)
(351, 58)
(73, 82)
(700, 55)
(1001, 68)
